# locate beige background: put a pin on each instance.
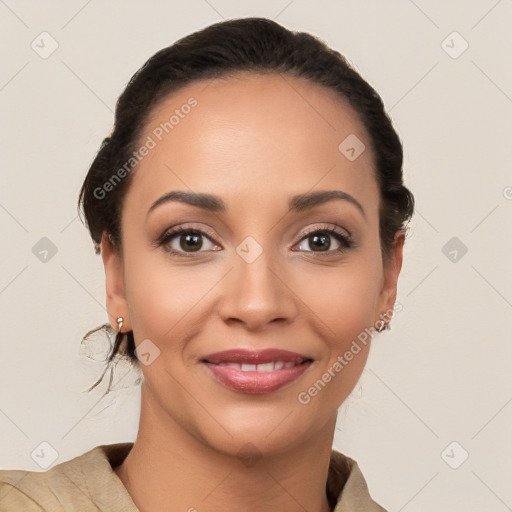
(442, 374)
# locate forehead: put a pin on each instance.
(252, 134)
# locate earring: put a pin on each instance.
(120, 321)
(383, 327)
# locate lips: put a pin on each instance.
(253, 372)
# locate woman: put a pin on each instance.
(250, 211)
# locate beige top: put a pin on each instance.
(88, 483)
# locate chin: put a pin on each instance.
(266, 432)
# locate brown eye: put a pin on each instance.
(185, 242)
(190, 241)
(320, 241)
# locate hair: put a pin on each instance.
(222, 50)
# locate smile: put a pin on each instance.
(256, 372)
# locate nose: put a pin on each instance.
(256, 294)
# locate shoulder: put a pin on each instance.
(346, 484)
(84, 484)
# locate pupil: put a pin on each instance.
(191, 241)
(325, 239)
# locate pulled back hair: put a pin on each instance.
(219, 51)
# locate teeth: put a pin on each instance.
(264, 367)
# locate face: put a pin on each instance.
(257, 266)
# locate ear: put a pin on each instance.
(114, 283)
(392, 269)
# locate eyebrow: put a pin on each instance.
(297, 203)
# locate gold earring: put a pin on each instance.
(120, 321)
(383, 327)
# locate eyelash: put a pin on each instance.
(345, 241)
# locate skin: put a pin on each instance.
(254, 141)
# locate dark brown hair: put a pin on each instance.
(218, 51)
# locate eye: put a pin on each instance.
(321, 239)
(189, 242)
(185, 241)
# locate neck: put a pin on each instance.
(170, 468)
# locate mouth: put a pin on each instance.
(256, 372)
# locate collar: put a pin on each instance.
(88, 483)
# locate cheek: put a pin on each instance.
(343, 298)
(343, 307)
(343, 302)
(162, 297)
